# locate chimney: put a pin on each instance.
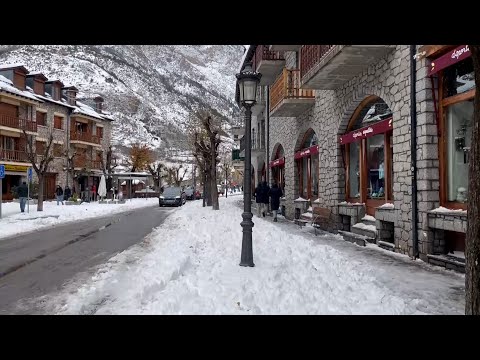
(71, 95)
(98, 104)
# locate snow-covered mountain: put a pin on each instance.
(150, 89)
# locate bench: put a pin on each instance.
(320, 215)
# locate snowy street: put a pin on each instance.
(13, 222)
(189, 265)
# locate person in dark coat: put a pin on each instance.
(275, 194)
(22, 192)
(59, 193)
(258, 198)
(265, 201)
(67, 193)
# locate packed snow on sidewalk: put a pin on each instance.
(190, 265)
(13, 222)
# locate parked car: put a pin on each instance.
(190, 194)
(173, 196)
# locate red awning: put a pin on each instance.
(367, 131)
(452, 57)
(277, 162)
(312, 150)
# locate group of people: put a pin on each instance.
(63, 194)
(262, 194)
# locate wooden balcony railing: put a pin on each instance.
(310, 55)
(96, 164)
(17, 123)
(84, 136)
(13, 155)
(263, 53)
(287, 86)
(79, 162)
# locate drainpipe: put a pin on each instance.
(413, 149)
(267, 142)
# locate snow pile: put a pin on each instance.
(368, 218)
(186, 268)
(441, 209)
(14, 222)
(365, 227)
(300, 199)
(387, 206)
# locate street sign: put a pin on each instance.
(30, 174)
(2, 171)
(19, 168)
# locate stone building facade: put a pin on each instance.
(351, 84)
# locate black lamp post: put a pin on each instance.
(247, 81)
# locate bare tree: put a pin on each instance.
(156, 169)
(108, 166)
(40, 167)
(472, 251)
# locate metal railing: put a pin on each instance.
(84, 136)
(13, 155)
(18, 123)
(262, 52)
(311, 55)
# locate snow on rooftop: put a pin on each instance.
(7, 85)
(86, 110)
(8, 66)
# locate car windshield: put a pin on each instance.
(171, 192)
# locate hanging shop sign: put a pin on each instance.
(452, 57)
(277, 162)
(367, 131)
(312, 150)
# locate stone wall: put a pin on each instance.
(389, 79)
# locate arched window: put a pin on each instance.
(307, 166)
(369, 153)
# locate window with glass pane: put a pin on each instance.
(376, 167)
(305, 177)
(458, 78)
(459, 134)
(390, 181)
(315, 171)
(354, 170)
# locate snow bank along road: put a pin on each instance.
(40, 262)
(189, 265)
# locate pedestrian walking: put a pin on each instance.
(265, 201)
(275, 194)
(94, 192)
(59, 193)
(22, 192)
(258, 198)
(67, 193)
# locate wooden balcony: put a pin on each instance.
(287, 99)
(96, 164)
(268, 63)
(87, 137)
(261, 101)
(80, 162)
(13, 155)
(285, 47)
(327, 67)
(17, 123)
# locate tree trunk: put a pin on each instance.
(208, 190)
(472, 248)
(213, 172)
(41, 181)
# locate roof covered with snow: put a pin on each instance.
(7, 86)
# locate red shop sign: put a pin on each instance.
(366, 132)
(452, 57)
(312, 150)
(277, 162)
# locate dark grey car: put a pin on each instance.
(172, 196)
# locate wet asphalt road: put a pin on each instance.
(35, 264)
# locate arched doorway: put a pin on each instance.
(278, 167)
(306, 162)
(368, 154)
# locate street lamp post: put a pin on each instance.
(247, 81)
